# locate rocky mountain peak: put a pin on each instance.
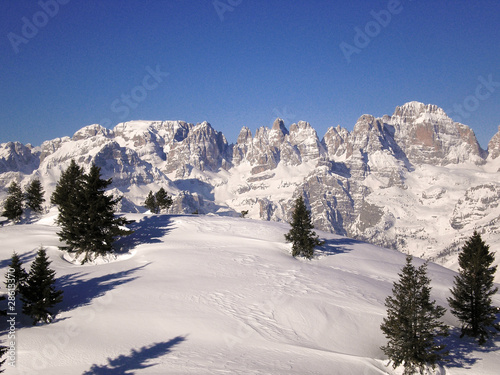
(245, 136)
(91, 131)
(279, 125)
(494, 145)
(416, 109)
(16, 157)
(335, 141)
(277, 133)
(428, 136)
(203, 148)
(359, 183)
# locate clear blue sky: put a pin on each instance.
(241, 63)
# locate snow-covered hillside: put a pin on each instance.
(220, 295)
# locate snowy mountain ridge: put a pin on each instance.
(415, 181)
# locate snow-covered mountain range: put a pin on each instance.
(415, 181)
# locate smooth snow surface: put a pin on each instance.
(219, 295)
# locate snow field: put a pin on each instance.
(217, 295)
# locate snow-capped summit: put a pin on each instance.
(91, 131)
(428, 136)
(415, 109)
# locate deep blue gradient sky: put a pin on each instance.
(243, 64)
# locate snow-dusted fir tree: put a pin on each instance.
(473, 288)
(68, 198)
(101, 225)
(412, 323)
(34, 196)
(87, 217)
(39, 294)
(155, 202)
(301, 235)
(13, 206)
(16, 275)
(150, 203)
(163, 200)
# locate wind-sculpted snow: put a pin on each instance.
(402, 181)
(202, 295)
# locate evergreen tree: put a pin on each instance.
(68, 186)
(473, 288)
(34, 196)
(151, 203)
(100, 226)
(163, 200)
(412, 324)
(301, 235)
(86, 213)
(39, 294)
(158, 201)
(13, 208)
(68, 197)
(16, 275)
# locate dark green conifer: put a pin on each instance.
(13, 207)
(155, 202)
(151, 203)
(16, 275)
(301, 235)
(39, 294)
(34, 196)
(163, 200)
(87, 219)
(68, 197)
(100, 226)
(473, 288)
(412, 324)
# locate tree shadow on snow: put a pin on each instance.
(136, 360)
(149, 230)
(338, 246)
(25, 258)
(465, 352)
(79, 291)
